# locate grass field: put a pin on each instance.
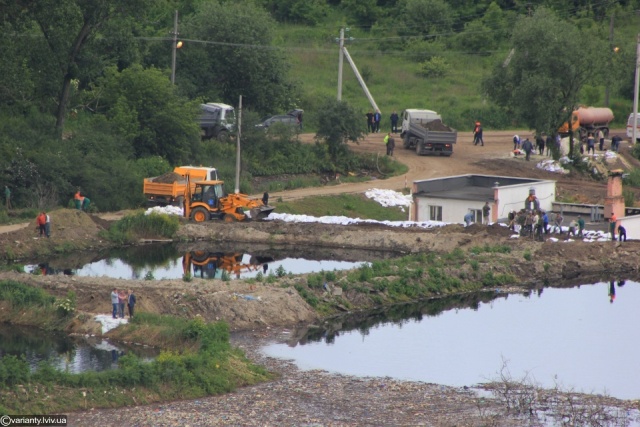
(349, 205)
(395, 82)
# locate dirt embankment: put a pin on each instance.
(246, 305)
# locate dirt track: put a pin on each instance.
(492, 158)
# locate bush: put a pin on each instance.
(13, 370)
(21, 295)
(434, 67)
(134, 227)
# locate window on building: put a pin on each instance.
(477, 215)
(435, 213)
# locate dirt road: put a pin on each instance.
(492, 158)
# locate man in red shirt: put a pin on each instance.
(41, 220)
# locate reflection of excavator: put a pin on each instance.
(210, 265)
(209, 201)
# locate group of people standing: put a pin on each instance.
(543, 142)
(119, 299)
(591, 139)
(374, 119)
(535, 223)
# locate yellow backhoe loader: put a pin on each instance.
(208, 200)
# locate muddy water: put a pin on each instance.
(66, 353)
(584, 338)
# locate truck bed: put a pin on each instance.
(160, 193)
(431, 142)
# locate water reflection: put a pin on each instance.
(213, 265)
(174, 261)
(64, 352)
(573, 337)
(398, 315)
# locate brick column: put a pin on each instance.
(614, 202)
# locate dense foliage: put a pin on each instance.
(87, 100)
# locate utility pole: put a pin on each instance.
(345, 54)
(606, 89)
(238, 146)
(173, 49)
(635, 93)
(340, 61)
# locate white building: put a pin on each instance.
(449, 199)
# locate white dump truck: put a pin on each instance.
(423, 131)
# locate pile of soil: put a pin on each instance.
(437, 125)
(168, 178)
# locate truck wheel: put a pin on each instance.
(605, 131)
(200, 214)
(223, 136)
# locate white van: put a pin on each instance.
(630, 126)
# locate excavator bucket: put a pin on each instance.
(261, 212)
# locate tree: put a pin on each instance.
(551, 62)
(337, 125)
(233, 56)
(147, 111)
(429, 18)
(57, 32)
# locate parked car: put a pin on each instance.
(289, 119)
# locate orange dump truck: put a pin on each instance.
(169, 188)
(587, 120)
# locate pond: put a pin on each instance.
(584, 338)
(72, 354)
(173, 262)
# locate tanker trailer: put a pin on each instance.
(587, 120)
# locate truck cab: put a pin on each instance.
(197, 173)
(217, 120)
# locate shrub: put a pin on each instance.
(21, 295)
(67, 305)
(137, 226)
(13, 370)
(434, 67)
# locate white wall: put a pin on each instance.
(630, 223)
(513, 196)
(452, 210)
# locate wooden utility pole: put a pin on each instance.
(238, 146)
(340, 62)
(606, 89)
(174, 47)
(635, 93)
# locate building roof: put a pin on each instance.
(469, 187)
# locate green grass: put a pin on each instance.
(350, 205)
(197, 361)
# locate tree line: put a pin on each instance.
(87, 102)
